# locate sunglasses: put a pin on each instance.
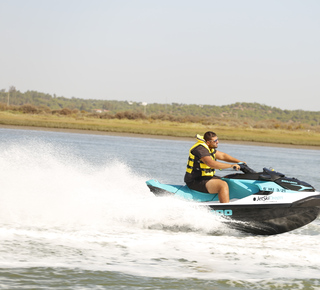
(214, 140)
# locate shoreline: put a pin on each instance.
(123, 134)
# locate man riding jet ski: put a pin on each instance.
(263, 203)
(202, 162)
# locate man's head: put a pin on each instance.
(211, 139)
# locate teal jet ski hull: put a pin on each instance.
(264, 203)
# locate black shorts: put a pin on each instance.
(198, 185)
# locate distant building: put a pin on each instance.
(99, 111)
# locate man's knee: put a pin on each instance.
(224, 184)
(217, 185)
(220, 182)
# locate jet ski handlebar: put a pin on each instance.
(244, 168)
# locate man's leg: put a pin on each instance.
(216, 185)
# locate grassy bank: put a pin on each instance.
(162, 128)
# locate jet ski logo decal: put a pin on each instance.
(261, 198)
(267, 198)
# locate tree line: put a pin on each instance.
(253, 114)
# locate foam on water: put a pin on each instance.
(58, 210)
(46, 186)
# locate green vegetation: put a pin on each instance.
(240, 121)
(240, 112)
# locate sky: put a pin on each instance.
(204, 52)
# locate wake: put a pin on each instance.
(47, 186)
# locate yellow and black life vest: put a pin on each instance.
(195, 164)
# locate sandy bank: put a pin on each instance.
(154, 136)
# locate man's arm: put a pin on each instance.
(216, 164)
(226, 157)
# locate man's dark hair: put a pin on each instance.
(209, 135)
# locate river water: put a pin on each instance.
(75, 213)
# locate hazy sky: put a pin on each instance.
(164, 51)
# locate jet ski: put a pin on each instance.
(261, 203)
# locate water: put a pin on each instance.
(75, 213)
